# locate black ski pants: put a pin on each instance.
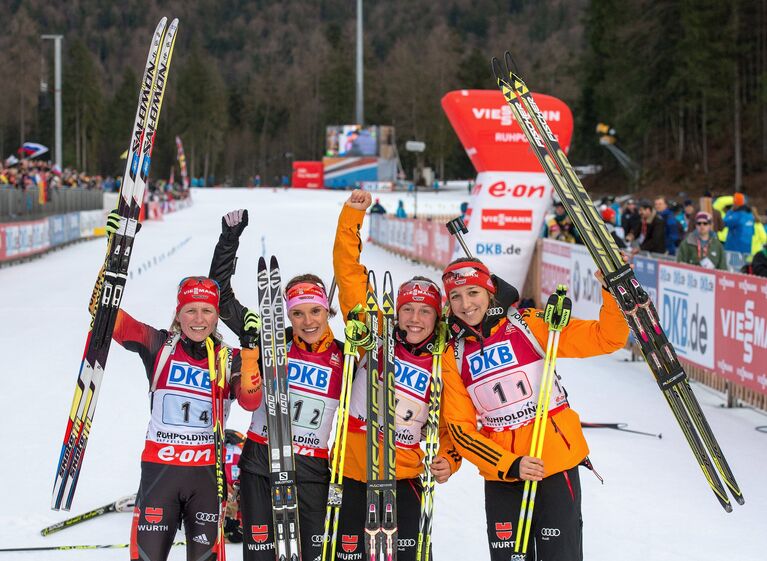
(167, 495)
(557, 527)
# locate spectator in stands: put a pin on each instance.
(759, 262)
(560, 227)
(608, 215)
(378, 208)
(760, 234)
(673, 230)
(740, 225)
(464, 209)
(689, 212)
(630, 219)
(401, 210)
(702, 247)
(652, 234)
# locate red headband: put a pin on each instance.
(421, 292)
(197, 289)
(466, 273)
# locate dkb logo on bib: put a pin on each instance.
(186, 376)
(494, 358)
(308, 375)
(411, 377)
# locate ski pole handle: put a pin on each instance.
(558, 309)
(457, 228)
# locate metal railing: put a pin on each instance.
(19, 204)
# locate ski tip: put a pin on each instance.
(495, 66)
(261, 263)
(273, 264)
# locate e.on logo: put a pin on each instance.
(507, 219)
(519, 191)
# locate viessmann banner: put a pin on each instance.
(511, 191)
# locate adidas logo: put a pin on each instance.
(201, 539)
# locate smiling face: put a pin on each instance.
(417, 321)
(198, 320)
(469, 303)
(309, 321)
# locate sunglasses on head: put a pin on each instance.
(204, 281)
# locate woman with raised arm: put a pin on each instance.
(315, 367)
(418, 307)
(492, 371)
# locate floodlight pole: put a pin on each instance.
(360, 105)
(56, 95)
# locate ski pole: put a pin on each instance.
(423, 544)
(618, 426)
(124, 504)
(456, 227)
(72, 547)
(557, 316)
(335, 491)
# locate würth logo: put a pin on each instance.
(259, 533)
(349, 543)
(507, 219)
(503, 530)
(153, 515)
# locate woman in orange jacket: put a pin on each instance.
(418, 308)
(492, 372)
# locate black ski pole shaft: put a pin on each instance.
(457, 228)
(618, 426)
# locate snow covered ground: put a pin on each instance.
(654, 505)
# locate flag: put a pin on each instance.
(31, 150)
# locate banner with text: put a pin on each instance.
(741, 329)
(686, 308)
(511, 192)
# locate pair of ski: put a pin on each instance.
(381, 509)
(271, 304)
(638, 309)
(119, 250)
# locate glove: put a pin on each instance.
(252, 321)
(358, 334)
(250, 393)
(233, 223)
(113, 223)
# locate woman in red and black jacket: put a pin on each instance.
(178, 477)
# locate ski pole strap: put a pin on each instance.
(357, 333)
(558, 309)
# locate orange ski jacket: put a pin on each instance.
(564, 444)
(351, 279)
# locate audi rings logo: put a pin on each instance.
(405, 542)
(550, 532)
(206, 517)
(317, 538)
(497, 311)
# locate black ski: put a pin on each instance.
(115, 273)
(373, 534)
(389, 483)
(287, 543)
(634, 301)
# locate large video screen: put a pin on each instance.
(351, 140)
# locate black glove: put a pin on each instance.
(233, 223)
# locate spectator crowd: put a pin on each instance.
(702, 237)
